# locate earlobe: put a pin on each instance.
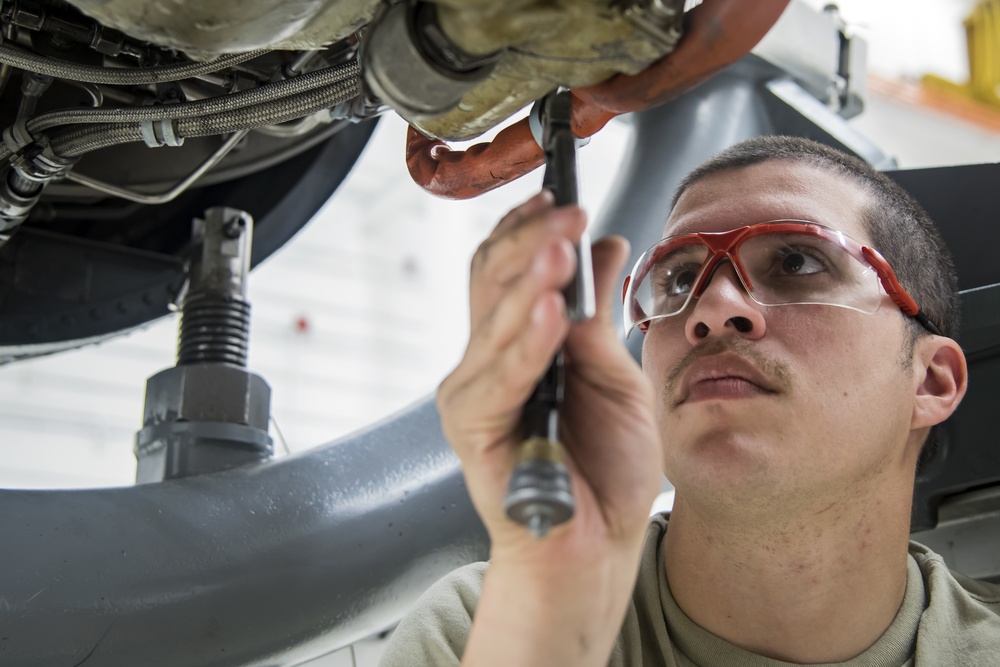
(943, 380)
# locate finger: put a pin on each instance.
(538, 202)
(511, 241)
(551, 268)
(505, 258)
(509, 224)
(480, 404)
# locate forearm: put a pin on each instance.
(555, 615)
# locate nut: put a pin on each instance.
(207, 392)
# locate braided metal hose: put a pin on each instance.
(271, 113)
(60, 69)
(247, 98)
(77, 142)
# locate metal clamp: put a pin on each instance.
(34, 159)
(662, 20)
(162, 132)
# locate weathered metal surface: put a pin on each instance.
(544, 44)
(571, 43)
(207, 29)
(720, 31)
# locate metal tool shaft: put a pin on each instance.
(539, 494)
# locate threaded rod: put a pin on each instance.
(214, 329)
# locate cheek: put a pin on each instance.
(663, 347)
(845, 357)
(654, 367)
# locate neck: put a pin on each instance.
(807, 588)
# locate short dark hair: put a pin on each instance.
(899, 227)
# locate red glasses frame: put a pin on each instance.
(725, 245)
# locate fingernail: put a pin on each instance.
(538, 312)
(541, 262)
(551, 255)
(564, 215)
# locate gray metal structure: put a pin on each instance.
(275, 563)
(208, 412)
(261, 565)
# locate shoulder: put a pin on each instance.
(943, 581)
(434, 632)
(961, 617)
(643, 636)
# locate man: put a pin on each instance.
(787, 399)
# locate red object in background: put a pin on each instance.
(719, 32)
(302, 325)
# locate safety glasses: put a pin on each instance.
(779, 263)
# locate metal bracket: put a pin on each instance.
(662, 20)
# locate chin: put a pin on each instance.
(719, 460)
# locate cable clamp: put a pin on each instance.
(162, 132)
(17, 138)
(35, 160)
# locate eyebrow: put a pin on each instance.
(689, 249)
(692, 249)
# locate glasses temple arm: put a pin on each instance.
(896, 291)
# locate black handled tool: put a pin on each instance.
(539, 494)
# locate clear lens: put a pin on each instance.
(661, 284)
(779, 269)
(805, 269)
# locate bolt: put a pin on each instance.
(233, 228)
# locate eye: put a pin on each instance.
(679, 280)
(798, 262)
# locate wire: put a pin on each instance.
(281, 436)
(75, 143)
(171, 194)
(246, 98)
(61, 69)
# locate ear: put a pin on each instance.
(942, 377)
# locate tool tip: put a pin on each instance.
(539, 525)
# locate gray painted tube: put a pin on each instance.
(278, 563)
(265, 565)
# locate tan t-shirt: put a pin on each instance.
(946, 620)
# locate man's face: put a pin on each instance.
(788, 401)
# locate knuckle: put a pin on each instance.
(443, 394)
(481, 255)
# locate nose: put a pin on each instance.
(724, 309)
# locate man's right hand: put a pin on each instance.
(584, 569)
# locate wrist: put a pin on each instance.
(567, 615)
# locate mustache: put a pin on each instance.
(777, 372)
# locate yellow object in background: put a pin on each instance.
(982, 29)
(983, 35)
